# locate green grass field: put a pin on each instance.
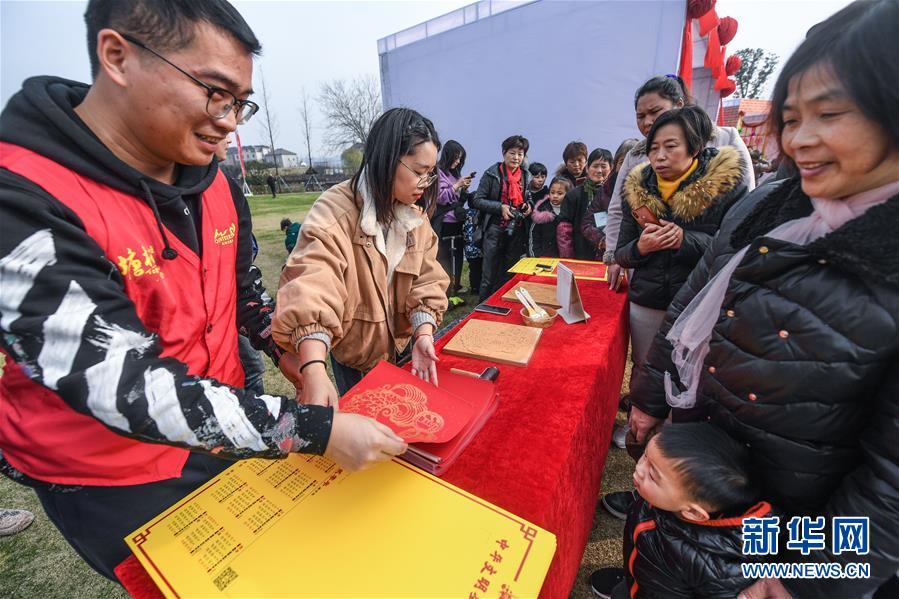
(39, 563)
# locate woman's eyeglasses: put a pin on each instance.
(425, 180)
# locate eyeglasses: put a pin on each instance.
(425, 180)
(219, 102)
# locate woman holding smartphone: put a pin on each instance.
(449, 215)
(363, 279)
(655, 97)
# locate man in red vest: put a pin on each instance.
(124, 262)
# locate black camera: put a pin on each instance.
(516, 219)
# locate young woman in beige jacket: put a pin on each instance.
(363, 278)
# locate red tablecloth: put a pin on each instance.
(541, 454)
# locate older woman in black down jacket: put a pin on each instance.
(787, 333)
(686, 188)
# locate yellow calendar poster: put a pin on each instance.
(587, 270)
(302, 527)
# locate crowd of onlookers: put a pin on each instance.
(763, 318)
(520, 209)
(764, 305)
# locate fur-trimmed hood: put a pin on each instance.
(720, 171)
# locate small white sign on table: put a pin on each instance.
(568, 296)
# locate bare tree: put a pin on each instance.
(350, 108)
(755, 71)
(269, 124)
(306, 126)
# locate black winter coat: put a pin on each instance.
(487, 198)
(669, 558)
(542, 240)
(803, 367)
(697, 206)
(574, 211)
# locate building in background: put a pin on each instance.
(750, 117)
(283, 158)
(255, 153)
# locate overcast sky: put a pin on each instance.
(307, 43)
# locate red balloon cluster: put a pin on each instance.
(727, 87)
(720, 32)
(727, 29)
(697, 8)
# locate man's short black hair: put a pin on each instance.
(714, 467)
(574, 150)
(285, 222)
(164, 25)
(693, 121)
(537, 169)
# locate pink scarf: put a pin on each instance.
(691, 332)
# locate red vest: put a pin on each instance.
(189, 302)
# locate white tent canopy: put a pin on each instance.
(553, 71)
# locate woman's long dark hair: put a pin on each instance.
(451, 151)
(395, 134)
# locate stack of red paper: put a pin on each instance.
(437, 422)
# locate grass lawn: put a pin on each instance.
(39, 563)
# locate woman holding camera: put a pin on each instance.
(502, 198)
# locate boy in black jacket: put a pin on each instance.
(683, 536)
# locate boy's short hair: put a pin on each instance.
(563, 181)
(573, 150)
(537, 168)
(714, 468)
(285, 222)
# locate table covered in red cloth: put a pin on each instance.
(541, 454)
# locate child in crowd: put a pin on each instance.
(538, 178)
(683, 536)
(291, 232)
(471, 234)
(545, 219)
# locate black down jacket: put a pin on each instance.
(697, 207)
(803, 367)
(669, 558)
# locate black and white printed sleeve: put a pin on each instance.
(66, 320)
